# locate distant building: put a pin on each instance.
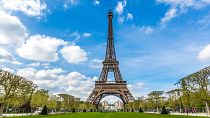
(112, 107)
(105, 105)
(118, 105)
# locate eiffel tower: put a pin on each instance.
(103, 87)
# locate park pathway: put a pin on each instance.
(184, 114)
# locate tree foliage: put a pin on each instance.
(17, 89)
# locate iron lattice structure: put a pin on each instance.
(103, 87)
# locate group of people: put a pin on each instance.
(189, 110)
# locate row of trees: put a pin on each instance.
(174, 100)
(192, 92)
(154, 101)
(60, 102)
(22, 94)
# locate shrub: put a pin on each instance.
(132, 110)
(44, 110)
(141, 110)
(164, 111)
(73, 110)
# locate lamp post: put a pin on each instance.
(180, 99)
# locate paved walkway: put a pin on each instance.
(23, 114)
(26, 114)
(189, 114)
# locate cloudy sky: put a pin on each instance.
(60, 45)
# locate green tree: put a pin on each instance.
(40, 98)
(174, 99)
(15, 86)
(196, 88)
(52, 102)
(156, 97)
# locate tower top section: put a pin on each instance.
(110, 13)
(110, 49)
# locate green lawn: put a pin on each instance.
(109, 115)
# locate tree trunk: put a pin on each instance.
(207, 109)
(7, 108)
(2, 109)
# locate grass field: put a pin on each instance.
(109, 115)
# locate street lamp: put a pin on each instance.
(180, 98)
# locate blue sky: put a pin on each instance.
(60, 44)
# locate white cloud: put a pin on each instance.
(87, 34)
(43, 78)
(135, 88)
(96, 2)
(204, 54)
(49, 74)
(111, 99)
(120, 11)
(137, 85)
(39, 75)
(146, 29)
(96, 63)
(171, 13)
(76, 35)
(8, 69)
(5, 55)
(120, 19)
(185, 4)
(73, 83)
(28, 73)
(16, 62)
(76, 84)
(36, 64)
(68, 3)
(74, 54)
(205, 21)
(12, 31)
(120, 7)
(179, 7)
(40, 48)
(129, 16)
(28, 7)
